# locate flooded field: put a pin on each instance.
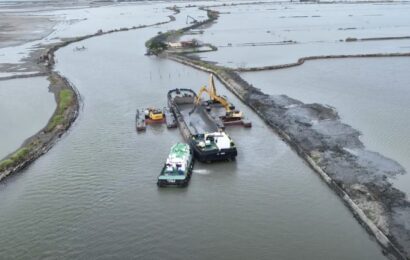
(371, 95)
(280, 33)
(94, 193)
(26, 105)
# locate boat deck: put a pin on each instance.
(170, 119)
(190, 121)
(198, 122)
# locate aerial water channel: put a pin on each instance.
(94, 194)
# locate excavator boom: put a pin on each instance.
(212, 87)
(213, 96)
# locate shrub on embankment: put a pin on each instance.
(158, 43)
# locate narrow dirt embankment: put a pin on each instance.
(68, 104)
(301, 61)
(333, 149)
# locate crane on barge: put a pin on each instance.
(231, 114)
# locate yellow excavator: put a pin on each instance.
(231, 113)
(154, 114)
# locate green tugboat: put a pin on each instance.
(178, 167)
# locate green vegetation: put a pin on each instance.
(19, 155)
(156, 47)
(5, 163)
(157, 44)
(66, 98)
(55, 121)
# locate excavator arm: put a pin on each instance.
(198, 98)
(201, 91)
(212, 88)
(211, 91)
(223, 102)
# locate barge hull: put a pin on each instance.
(222, 155)
(162, 183)
(177, 183)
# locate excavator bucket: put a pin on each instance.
(197, 99)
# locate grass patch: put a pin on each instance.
(55, 121)
(66, 98)
(5, 163)
(16, 157)
(19, 154)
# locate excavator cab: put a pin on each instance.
(234, 114)
(155, 114)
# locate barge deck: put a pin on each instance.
(182, 103)
(204, 134)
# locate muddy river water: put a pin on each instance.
(26, 105)
(94, 193)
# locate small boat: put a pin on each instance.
(154, 115)
(140, 121)
(217, 146)
(178, 167)
(148, 116)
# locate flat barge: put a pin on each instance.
(217, 146)
(205, 136)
